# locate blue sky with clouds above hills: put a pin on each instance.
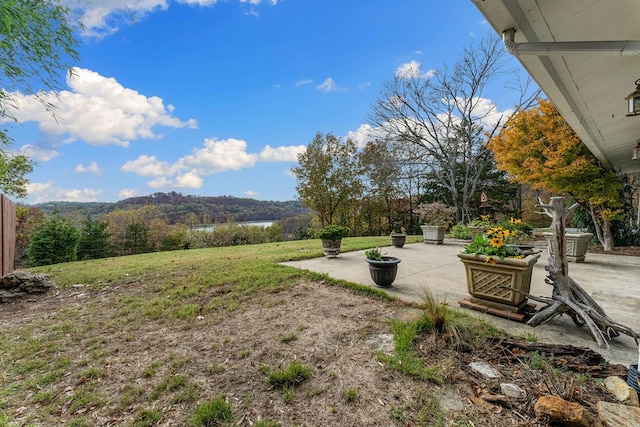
(217, 97)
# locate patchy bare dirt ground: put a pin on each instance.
(326, 328)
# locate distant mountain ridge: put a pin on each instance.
(177, 206)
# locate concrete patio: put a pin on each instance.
(612, 280)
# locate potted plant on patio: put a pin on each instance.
(497, 273)
(437, 217)
(398, 239)
(479, 225)
(520, 234)
(383, 269)
(331, 237)
(577, 244)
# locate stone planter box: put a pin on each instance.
(433, 234)
(577, 245)
(476, 230)
(493, 284)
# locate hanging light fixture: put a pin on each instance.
(633, 101)
(636, 151)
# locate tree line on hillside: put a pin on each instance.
(49, 239)
(185, 209)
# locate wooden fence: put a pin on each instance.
(7, 235)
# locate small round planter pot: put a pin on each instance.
(331, 248)
(383, 272)
(398, 240)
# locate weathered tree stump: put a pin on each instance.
(567, 296)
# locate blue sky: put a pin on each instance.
(217, 97)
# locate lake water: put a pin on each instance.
(210, 227)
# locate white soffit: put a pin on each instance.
(588, 89)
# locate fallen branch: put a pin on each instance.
(577, 359)
(567, 296)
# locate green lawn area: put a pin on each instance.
(55, 363)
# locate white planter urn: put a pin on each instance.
(577, 244)
(433, 234)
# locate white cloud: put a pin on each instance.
(38, 188)
(328, 85)
(147, 166)
(213, 157)
(43, 154)
(127, 193)
(100, 111)
(161, 182)
(409, 69)
(188, 180)
(364, 85)
(219, 155)
(484, 111)
(105, 17)
(303, 82)
(40, 192)
(93, 168)
(281, 154)
(413, 69)
(364, 134)
(487, 112)
(251, 194)
(80, 195)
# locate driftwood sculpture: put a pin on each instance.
(567, 296)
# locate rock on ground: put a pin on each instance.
(20, 284)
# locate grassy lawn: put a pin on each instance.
(230, 337)
(56, 362)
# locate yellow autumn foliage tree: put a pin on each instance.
(148, 218)
(538, 147)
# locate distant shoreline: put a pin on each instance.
(210, 227)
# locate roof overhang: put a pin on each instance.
(588, 80)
